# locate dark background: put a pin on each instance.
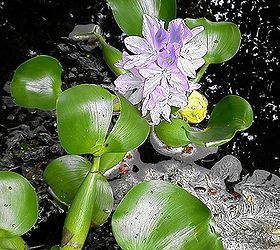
(32, 27)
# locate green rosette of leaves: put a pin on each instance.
(18, 210)
(159, 215)
(84, 123)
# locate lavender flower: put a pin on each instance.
(158, 70)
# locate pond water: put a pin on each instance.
(28, 137)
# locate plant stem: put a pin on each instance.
(201, 72)
(79, 216)
(95, 165)
(111, 55)
(117, 107)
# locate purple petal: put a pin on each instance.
(177, 99)
(151, 26)
(167, 57)
(186, 67)
(137, 45)
(150, 70)
(155, 115)
(159, 94)
(160, 39)
(179, 81)
(179, 32)
(127, 82)
(148, 104)
(123, 61)
(139, 60)
(164, 84)
(136, 96)
(151, 83)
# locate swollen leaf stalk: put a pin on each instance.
(78, 219)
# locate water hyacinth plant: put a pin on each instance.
(157, 79)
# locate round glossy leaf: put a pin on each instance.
(231, 114)
(65, 175)
(12, 243)
(172, 134)
(37, 83)
(128, 13)
(18, 205)
(159, 215)
(84, 114)
(130, 130)
(221, 38)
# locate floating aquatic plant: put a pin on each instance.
(157, 75)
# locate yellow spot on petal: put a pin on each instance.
(196, 109)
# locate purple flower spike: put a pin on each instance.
(159, 65)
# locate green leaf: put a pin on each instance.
(168, 11)
(172, 134)
(93, 201)
(37, 83)
(56, 247)
(18, 205)
(65, 175)
(111, 55)
(128, 13)
(130, 130)
(13, 243)
(159, 215)
(84, 114)
(231, 114)
(109, 160)
(221, 38)
(104, 201)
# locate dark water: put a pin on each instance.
(28, 138)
